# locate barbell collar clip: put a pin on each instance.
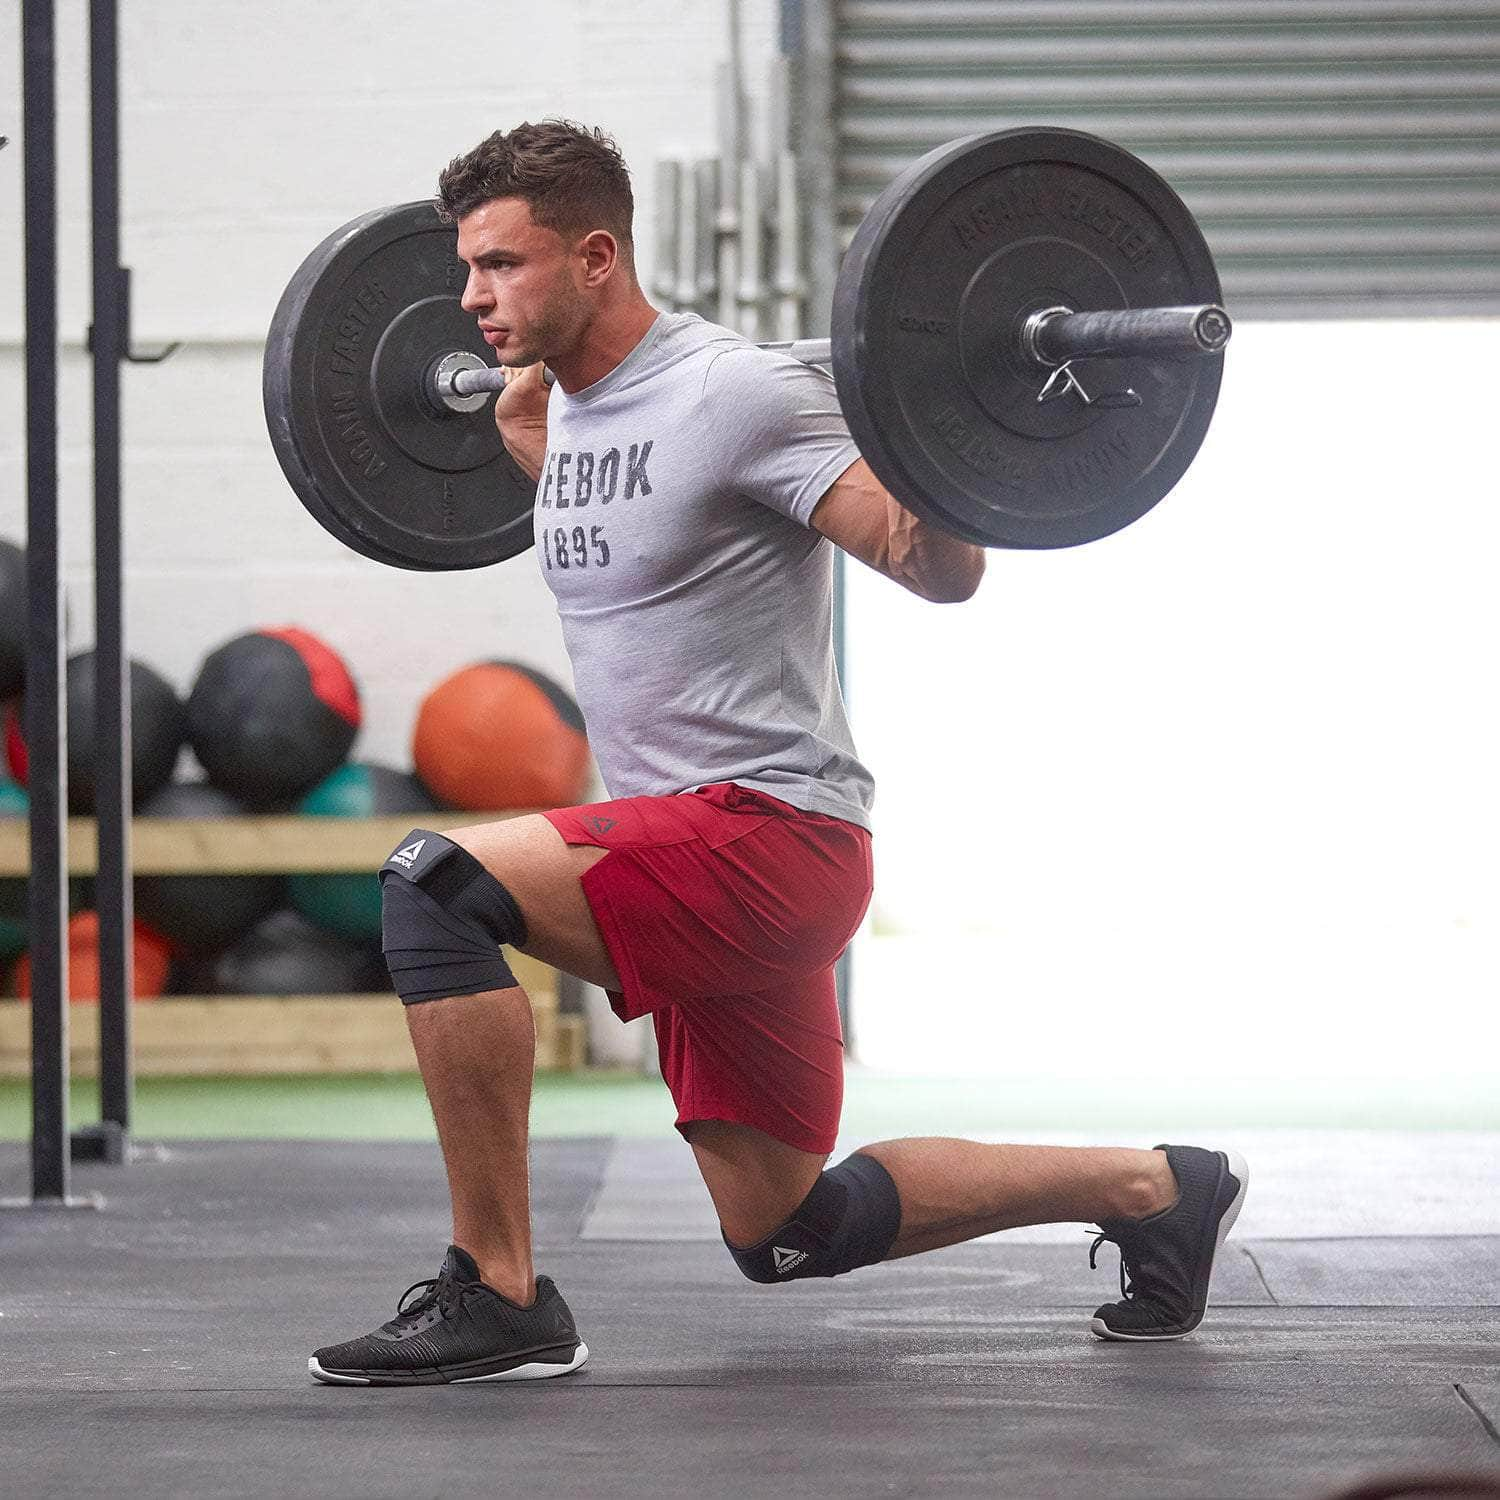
(441, 384)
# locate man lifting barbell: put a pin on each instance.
(687, 491)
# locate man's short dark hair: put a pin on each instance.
(572, 178)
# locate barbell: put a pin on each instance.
(1051, 337)
(1026, 341)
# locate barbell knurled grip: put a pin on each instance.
(492, 377)
(807, 351)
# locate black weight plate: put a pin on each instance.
(352, 339)
(941, 275)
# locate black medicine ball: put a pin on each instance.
(272, 713)
(12, 619)
(158, 729)
(285, 954)
(200, 913)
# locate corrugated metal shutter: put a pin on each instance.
(1342, 156)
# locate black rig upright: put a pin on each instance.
(46, 731)
(109, 341)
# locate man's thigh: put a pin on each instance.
(529, 858)
(756, 1181)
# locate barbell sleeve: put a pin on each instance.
(1056, 335)
(1050, 337)
(472, 382)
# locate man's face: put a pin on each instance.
(525, 287)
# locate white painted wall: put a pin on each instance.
(1214, 798)
(250, 130)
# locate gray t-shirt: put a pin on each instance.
(696, 601)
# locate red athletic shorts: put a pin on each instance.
(724, 911)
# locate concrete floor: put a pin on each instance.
(159, 1346)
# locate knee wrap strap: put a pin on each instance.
(849, 1219)
(443, 917)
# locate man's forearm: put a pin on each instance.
(934, 563)
(528, 453)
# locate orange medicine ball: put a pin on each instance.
(153, 957)
(498, 735)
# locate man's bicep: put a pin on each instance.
(854, 514)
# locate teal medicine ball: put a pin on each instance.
(15, 916)
(14, 803)
(350, 904)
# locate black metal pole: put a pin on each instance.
(112, 768)
(46, 733)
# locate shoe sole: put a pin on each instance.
(1236, 1168)
(536, 1370)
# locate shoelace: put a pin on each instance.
(1121, 1240)
(442, 1291)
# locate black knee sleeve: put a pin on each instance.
(443, 917)
(849, 1219)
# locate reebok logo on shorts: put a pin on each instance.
(407, 857)
(601, 825)
(787, 1260)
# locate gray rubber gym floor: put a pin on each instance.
(159, 1347)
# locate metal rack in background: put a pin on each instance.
(728, 233)
(53, 1146)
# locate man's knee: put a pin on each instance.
(849, 1219)
(443, 920)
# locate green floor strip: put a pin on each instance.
(369, 1106)
(392, 1106)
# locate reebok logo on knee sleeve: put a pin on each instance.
(407, 857)
(849, 1219)
(443, 920)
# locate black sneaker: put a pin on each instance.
(459, 1330)
(1170, 1255)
